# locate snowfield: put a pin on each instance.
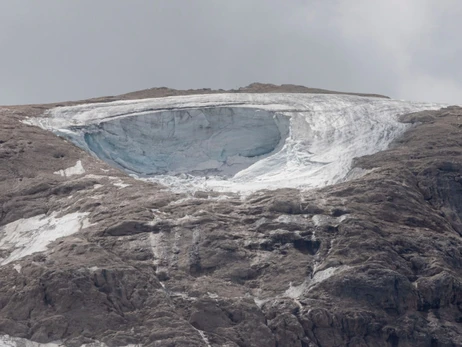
(24, 237)
(235, 142)
(9, 341)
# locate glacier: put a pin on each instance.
(207, 141)
(235, 142)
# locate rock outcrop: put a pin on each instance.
(375, 261)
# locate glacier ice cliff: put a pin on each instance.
(199, 141)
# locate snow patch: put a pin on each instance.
(294, 292)
(120, 184)
(24, 237)
(204, 337)
(18, 268)
(213, 295)
(77, 169)
(288, 219)
(322, 275)
(313, 235)
(260, 302)
(9, 341)
(321, 219)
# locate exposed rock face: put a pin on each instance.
(375, 261)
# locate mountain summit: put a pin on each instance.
(264, 216)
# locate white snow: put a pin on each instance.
(204, 337)
(120, 184)
(235, 142)
(313, 236)
(295, 292)
(9, 341)
(213, 295)
(77, 169)
(291, 219)
(18, 268)
(321, 219)
(322, 275)
(260, 302)
(24, 237)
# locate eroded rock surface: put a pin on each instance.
(375, 261)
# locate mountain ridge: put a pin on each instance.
(374, 261)
(159, 92)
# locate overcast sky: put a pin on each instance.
(55, 50)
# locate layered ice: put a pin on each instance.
(219, 141)
(235, 142)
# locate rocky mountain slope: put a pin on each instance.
(90, 255)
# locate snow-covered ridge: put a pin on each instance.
(235, 142)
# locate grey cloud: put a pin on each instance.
(56, 50)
